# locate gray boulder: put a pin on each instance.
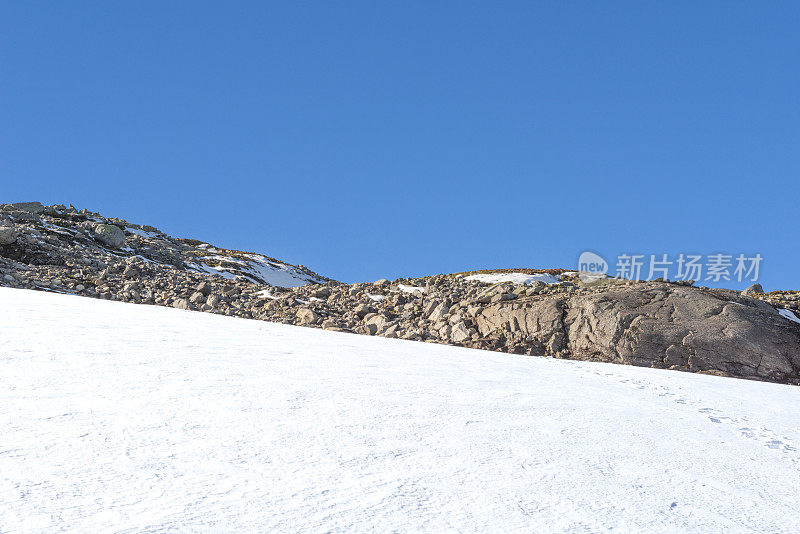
(370, 329)
(110, 235)
(460, 333)
(439, 313)
(362, 310)
(8, 234)
(180, 304)
(430, 306)
(754, 289)
(307, 316)
(378, 320)
(321, 293)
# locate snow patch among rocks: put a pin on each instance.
(514, 278)
(142, 233)
(789, 314)
(255, 267)
(410, 289)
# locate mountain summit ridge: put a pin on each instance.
(538, 312)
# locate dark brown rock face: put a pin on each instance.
(657, 325)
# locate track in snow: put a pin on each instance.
(132, 418)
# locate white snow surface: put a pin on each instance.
(266, 294)
(515, 278)
(118, 417)
(789, 314)
(142, 233)
(410, 289)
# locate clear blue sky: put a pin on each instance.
(376, 139)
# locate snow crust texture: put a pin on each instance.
(117, 417)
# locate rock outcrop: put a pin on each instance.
(657, 324)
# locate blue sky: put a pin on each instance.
(375, 139)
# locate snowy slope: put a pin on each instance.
(132, 418)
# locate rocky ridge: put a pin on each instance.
(660, 324)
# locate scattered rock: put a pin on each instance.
(322, 293)
(460, 333)
(307, 316)
(370, 329)
(439, 313)
(361, 310)
(204, 288)
(378, 320)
